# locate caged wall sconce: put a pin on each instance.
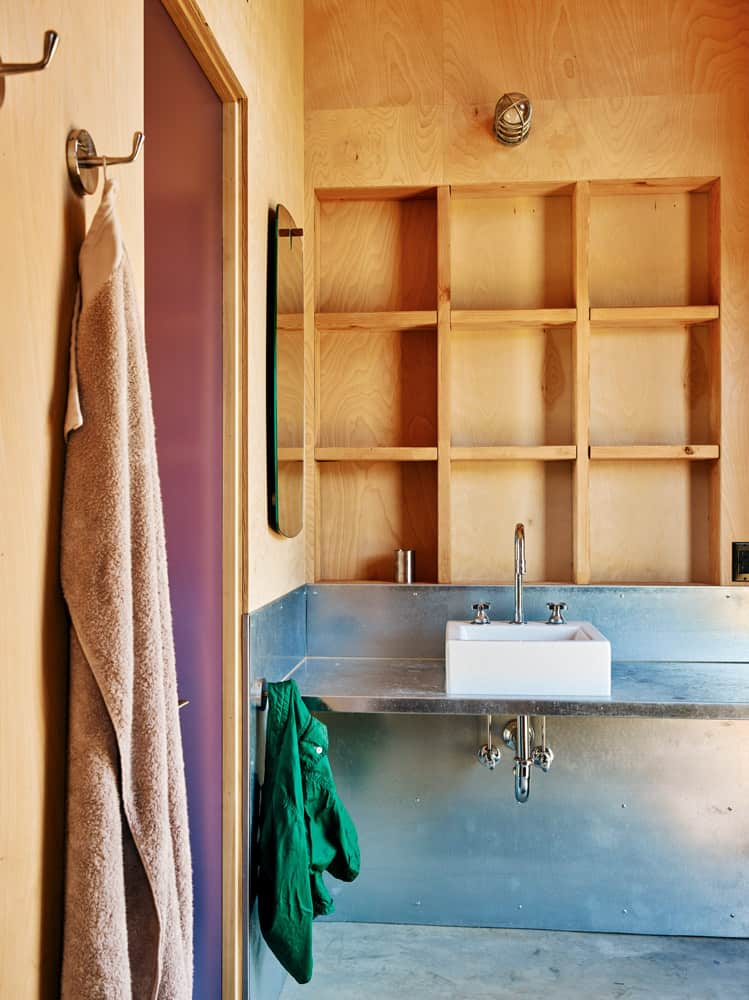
(512, 118)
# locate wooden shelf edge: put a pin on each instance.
(424, 319)
(376, 454)
(290, 322)
(660, 452)
(377, 582)
(290, 454)
(392, 192)
(652, 185)
(515, 453)
(490, 319)
(654, 315)
(514, 189)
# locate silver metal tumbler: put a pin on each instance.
(405, 565)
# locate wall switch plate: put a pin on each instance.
(740, 562)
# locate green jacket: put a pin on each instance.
(304, 830)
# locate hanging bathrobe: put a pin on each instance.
(128, 882)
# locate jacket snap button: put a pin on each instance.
(318, 749)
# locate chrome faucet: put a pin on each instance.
(520, 570)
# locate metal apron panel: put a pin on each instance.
(640, 827)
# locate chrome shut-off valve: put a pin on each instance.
(543, 757)
(489, 756)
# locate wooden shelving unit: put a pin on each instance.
(519, 352)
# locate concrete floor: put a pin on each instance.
(380, 961)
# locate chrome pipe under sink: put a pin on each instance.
(523, 759)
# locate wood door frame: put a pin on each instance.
(197, 35)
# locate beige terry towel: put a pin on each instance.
(128, 893)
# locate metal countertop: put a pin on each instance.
(668, 690)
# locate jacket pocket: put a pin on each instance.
(313, 745)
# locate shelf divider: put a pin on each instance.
(423, 319)
(515, 453)
(312, 342)
(492, 319)
(654, 452)
(720, 551)
(581, 356)
(646, 316)
(444, 375)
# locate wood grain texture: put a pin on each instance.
(43, 224)
(263, 44)
(290, 322)
(378, 255)
(649, 251)
(651, 386)
(363, 54)
(511, 253)
(581, 393)
(311, 384)
(636, 137)
(290, 386)
(670, 501)
(234, 516)
(378, 390)
(652, 185)
(376, 454)
(444, 369)
(495, 319)
(719, 568)
(515, 453)
(651, 452)
(643, 316)
(367, 510)
(489, 498)
(512, 387)
(374, 147)
(662, 115)
(555, 49)
(369, 322)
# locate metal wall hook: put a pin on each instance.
(51, 38)
(259, 693)
(84, 161)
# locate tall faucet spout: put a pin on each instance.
(520, 570)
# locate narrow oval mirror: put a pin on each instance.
(285, 375)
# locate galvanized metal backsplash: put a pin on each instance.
(641, 826)
(642, 623)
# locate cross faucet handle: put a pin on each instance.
(481, 617)
(556, 617)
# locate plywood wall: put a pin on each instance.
(263, 44)
(43, 223)
(96, 81)
(403, 94)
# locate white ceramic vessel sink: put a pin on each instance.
(531, 660)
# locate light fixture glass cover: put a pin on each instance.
(512, 118)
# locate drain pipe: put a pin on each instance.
(523, 759)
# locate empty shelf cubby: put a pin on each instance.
(369, 509)
(650, 243)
